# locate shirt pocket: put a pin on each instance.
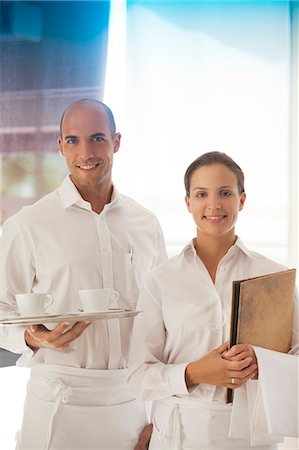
(137, 265)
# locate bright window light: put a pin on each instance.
(208, 76)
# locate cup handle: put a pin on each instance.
(116, 295)
(49, 300)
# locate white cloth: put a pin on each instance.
(94, 400)
(185, 316)
(268, 407)
(58, 246)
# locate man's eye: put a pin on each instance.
(97, 138)
(71, 141)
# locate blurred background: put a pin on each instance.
(182, 78)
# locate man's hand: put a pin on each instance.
(38, 336)
(144, 437)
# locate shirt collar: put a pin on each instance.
(69, 196)
(238, 245)
(189, 248)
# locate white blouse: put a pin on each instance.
(185, 316)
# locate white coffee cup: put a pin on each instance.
(97, 300)
(33, 304)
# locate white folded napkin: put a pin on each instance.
(266, 410)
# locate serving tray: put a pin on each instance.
(116, 313)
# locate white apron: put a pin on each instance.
(180, 424)
(72, 408)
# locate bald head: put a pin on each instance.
(94, 102)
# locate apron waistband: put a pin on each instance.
(76, 386)
(197, 404)
(81, 376)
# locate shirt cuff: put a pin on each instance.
(177, 379)
(17, 343)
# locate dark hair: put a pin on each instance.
(97, 102)
(210, 158)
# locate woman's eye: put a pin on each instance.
(201, 194)
(226, 194)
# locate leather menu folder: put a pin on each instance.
(262, 312)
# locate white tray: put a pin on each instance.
(72, 317)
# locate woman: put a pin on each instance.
(179, 356)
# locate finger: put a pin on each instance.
(238, 382)
(78, 328)
(235, 383)
(63, 340)
(238, 348)
(222, 348)
(57, 338)
(58, 330)
(47, 337)
(240, 365)
(238, 356)
(245, 373)
(233, 386)
(40, 331)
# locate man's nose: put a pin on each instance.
(85, 150)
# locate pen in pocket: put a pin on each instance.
(131, 253)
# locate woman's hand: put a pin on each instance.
(220, 368)
(239, 352)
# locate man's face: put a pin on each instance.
(88, 146)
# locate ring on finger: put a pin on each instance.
(233, 381)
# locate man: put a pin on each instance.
(83, 235)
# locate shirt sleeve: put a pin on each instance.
(162, 254)
(150, 377)
(16, 276)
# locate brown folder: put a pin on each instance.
(262, 312)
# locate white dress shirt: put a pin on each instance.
(186, 316)
(58, 246)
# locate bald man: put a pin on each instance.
(83, 235)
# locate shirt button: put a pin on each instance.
(217, 327)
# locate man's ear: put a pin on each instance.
(116, 139)
(59, 143)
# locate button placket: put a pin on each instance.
(217, 326)
(107, 271)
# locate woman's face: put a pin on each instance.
(214, 200)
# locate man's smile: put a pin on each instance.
(88, 167)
